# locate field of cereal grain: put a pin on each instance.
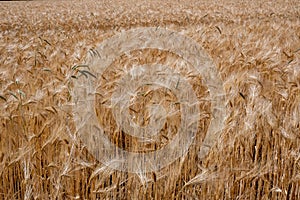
(254, 45)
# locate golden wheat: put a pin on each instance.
(255, 46)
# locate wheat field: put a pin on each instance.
(255, 47)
